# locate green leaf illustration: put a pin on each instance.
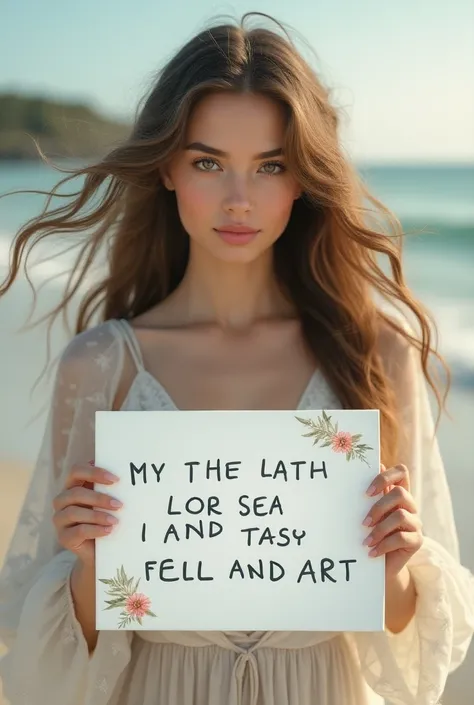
(325, 432)
(123, 591)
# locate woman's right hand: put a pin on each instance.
(79, 515)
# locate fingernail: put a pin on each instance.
(373, 552)
(368, 541)
(111, 477)
(367, 521)
(116, 503)
(108, 529)
(111, 519)
(371, 491)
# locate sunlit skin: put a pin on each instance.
(233, 171)
(227, 337)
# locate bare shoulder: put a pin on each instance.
(163, 331)
(164, 316)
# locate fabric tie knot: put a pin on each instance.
(245, 676)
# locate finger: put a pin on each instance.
(73, 537)
(396, 475)
(73, 515)
(398, 520)
(409, 541)
(82, 496)
(397, 497)
(86, 473)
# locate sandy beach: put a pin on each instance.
(14, 481)
(14, 478)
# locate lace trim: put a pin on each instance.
(146, 393)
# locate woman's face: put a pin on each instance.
(232, 176)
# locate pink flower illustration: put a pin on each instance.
(325, 431)
(138, 604)
(341, 442)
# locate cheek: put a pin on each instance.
(277, 202)
(196, 200)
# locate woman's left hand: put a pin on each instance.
(396, 526)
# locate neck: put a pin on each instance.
(231, 295)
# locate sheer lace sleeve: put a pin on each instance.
(48, 659)
(412, 667)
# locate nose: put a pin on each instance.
(237, 200)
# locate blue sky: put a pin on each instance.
(402, 70)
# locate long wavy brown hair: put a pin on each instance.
(328, 258)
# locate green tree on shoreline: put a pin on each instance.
(62, 130)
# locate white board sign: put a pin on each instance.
(247, 521)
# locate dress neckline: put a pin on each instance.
(166, 400)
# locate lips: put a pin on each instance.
(234, 234)
(237, 229)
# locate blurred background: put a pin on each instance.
(71, 77)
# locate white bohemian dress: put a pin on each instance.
(48, 661)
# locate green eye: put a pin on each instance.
(205, 164)
(273, 168)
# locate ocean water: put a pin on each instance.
(439, 263)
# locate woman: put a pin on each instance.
(240, 267)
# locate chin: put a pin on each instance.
(205, 248)
(240, 254)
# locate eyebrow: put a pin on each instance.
(200, 147)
